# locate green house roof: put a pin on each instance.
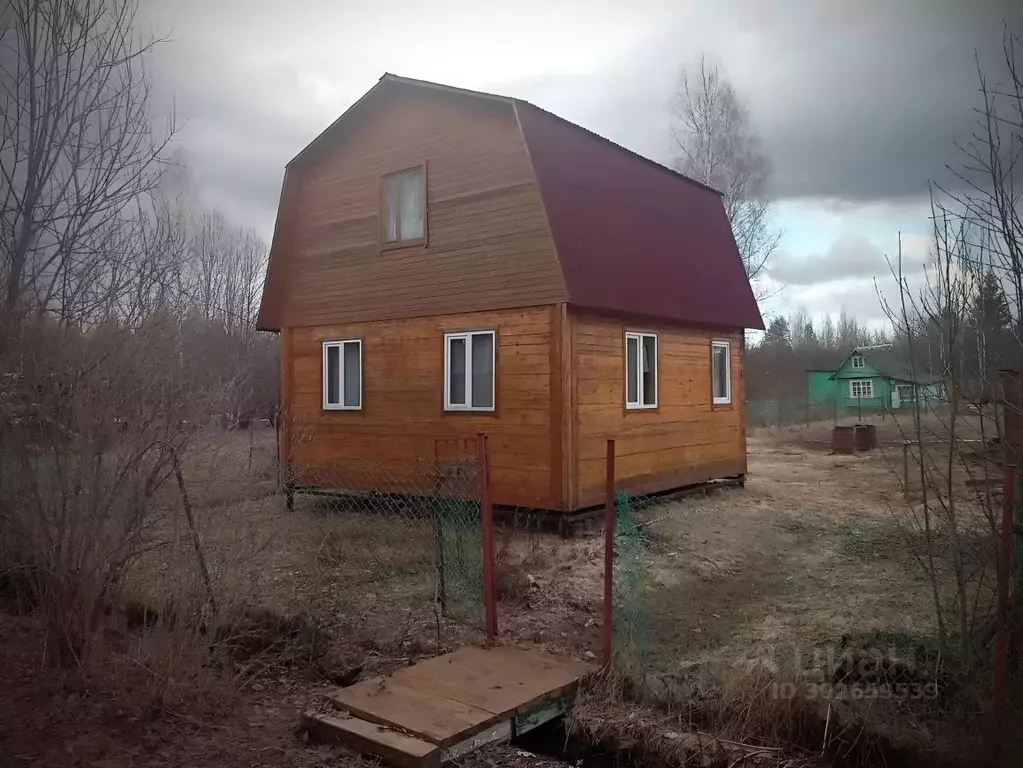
(891, 364)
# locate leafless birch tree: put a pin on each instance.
(717, 144)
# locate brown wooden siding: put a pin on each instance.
(489, 246)
(402, 410)
(685, 440)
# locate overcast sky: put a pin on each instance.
(858, 102)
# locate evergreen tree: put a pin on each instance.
(991, 322)
(777, 335)
(810, 336)
(991, 307)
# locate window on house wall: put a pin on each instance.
(640, 370)
(342, 375)
(721, 372)
(907, 393)
(861, 389)
(857, 361)
(404, 206)
(469, 362)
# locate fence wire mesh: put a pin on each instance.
(404, 536)
(631, 612)
(651, 627)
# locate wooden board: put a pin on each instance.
(429, 716)
(499, 680)
(402, 414)
(395, 748)
(494, 734)
(488, 247)
(684, 441)
(454, 703)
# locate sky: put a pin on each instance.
(858, 103)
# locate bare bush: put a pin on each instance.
(127, 320)
(90, 426)
(965, 322)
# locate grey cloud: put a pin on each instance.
(850, 256)
(862, 299)
(855, 101)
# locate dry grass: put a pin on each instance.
(364, 578)
(744, 722)
(760, 575)
(107, 715)
(744, 587)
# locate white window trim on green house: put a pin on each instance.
(858, 362)
(861, 389)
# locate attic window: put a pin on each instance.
(857, 361)
(640, 370)
(403, 207)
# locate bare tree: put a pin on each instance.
(78, 153)
(717, 144)
(965, 321)
(127, 313)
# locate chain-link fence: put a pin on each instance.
(647, 622)
(631, 612)
(795, 411)
(405, 537)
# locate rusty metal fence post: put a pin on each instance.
(1003, 632)
(607, 637)
(487, 525)
(905, 469)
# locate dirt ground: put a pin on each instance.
(806, 553)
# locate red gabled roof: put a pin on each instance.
(631, 235)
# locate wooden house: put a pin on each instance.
(448, 262)
(873, 378)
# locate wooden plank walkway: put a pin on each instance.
(426, 714)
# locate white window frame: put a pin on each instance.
(858, 362)
(400, 239)
(727, 346)
(864, 383)
(641, 350)
(340, 345)
(467, 405)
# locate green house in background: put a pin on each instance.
(872, 379)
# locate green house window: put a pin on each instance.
(861, 389)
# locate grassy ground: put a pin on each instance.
(808, 552)
(806, 556)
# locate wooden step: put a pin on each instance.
(423, 714)
(393, 747)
